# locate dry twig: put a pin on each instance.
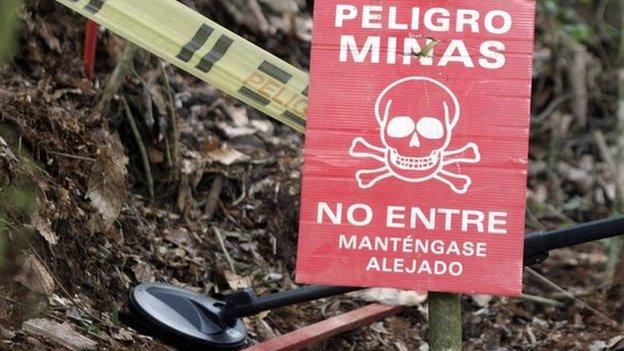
(225, 251)
(547, 282)
(117, 78)
(541, 300)
(213, 196)
(75, 157)
(173, 155)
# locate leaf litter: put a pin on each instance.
(99, 235)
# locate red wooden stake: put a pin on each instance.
(90, 46)
(315, 333)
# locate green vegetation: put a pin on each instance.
(8, 27)
(8, 34)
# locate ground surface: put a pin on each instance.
(67, 261)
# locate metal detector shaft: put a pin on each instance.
(539, 244)
(536, 249)
(286, 298)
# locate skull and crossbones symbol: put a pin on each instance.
(416, 117)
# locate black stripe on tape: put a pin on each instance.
(216, 53)
(305, 91)
(254, 96)
(294, 118)
(95, 5)
(275, 72)
(199, 39)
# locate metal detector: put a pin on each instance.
(200, 321)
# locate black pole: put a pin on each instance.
(256, 305)
(540, 243)
(536, 248)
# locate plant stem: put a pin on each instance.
(144, 157)
(445, 325)
(174, 153)
(117, 78)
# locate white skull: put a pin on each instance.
(416, 116)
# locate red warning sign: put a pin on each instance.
(416, 145)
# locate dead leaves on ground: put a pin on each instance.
(227, 156)
(44, 228)
(34, 275)
(143, 273)
(107, 182)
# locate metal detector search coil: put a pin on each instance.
(190, 41)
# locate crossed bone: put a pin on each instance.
(459, 183)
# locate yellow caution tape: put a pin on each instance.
(212, 53)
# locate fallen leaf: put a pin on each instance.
(238, 115)
(158, 99)
(123, 335)
(263, 126)
(155, 155)
(400, 346)
(273, 277)
(143, 273)
(235, 132)
(303, 28)
(379, 327)
(236, 282)
(482, 300)
(48, 38)
(107, 186)
(60, 333)
(182, 238)
(35, 276)
(226, 156)
(281, 6)
(44, 228)
(192, 164)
